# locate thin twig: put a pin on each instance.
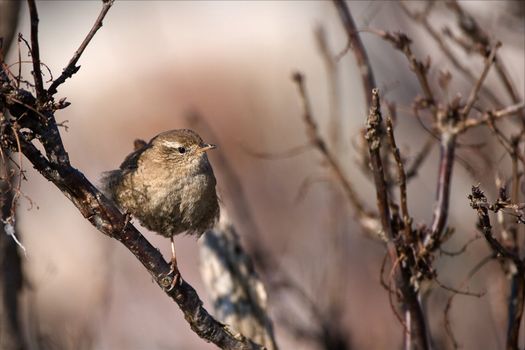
(401, 177)
(446, 312)
(497, 114)
(458, 291)
(422, 18)
(319, 143)
(71, 67)
(401, 42)
(35, 52)
(420, 157)
(354, 42)
(475, 90)
(481, 40)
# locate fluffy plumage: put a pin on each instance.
(168, 184)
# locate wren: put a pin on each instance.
(167, 184)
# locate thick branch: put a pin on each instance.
(415, 337)
(238, 294)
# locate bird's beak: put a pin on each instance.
(207, 146)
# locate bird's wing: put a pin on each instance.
(131, 161)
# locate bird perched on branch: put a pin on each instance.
(168, 185)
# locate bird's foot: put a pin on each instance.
(174, 270)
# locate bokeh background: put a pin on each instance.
(155, 63)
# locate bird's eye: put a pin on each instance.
(181, 150)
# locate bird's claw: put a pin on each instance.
(174, 270)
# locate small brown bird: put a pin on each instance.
(168, 184)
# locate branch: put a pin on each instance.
(238, 294)
(318, 142)
(480, 38)
(422, 18)
(71, 67)
(35, 52)
(478, 201)
(367, 221)
(402, 180)
(415, 337)
(401, 42)
(354, 42)
(492, 116)
(475, 90)
(420, 157)
(12, 275)
(446, 164)
(31, 121)
(107, 219)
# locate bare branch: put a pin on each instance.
(420, 157)
(318, 142)
(415, 335)
(402, 181)
(475, 90)
(492, 115)
(478, 201)
(422, 18)
(446, 164)
(35, 52)
(354, 42)
(71, 67)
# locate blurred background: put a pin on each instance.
(152, 66)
